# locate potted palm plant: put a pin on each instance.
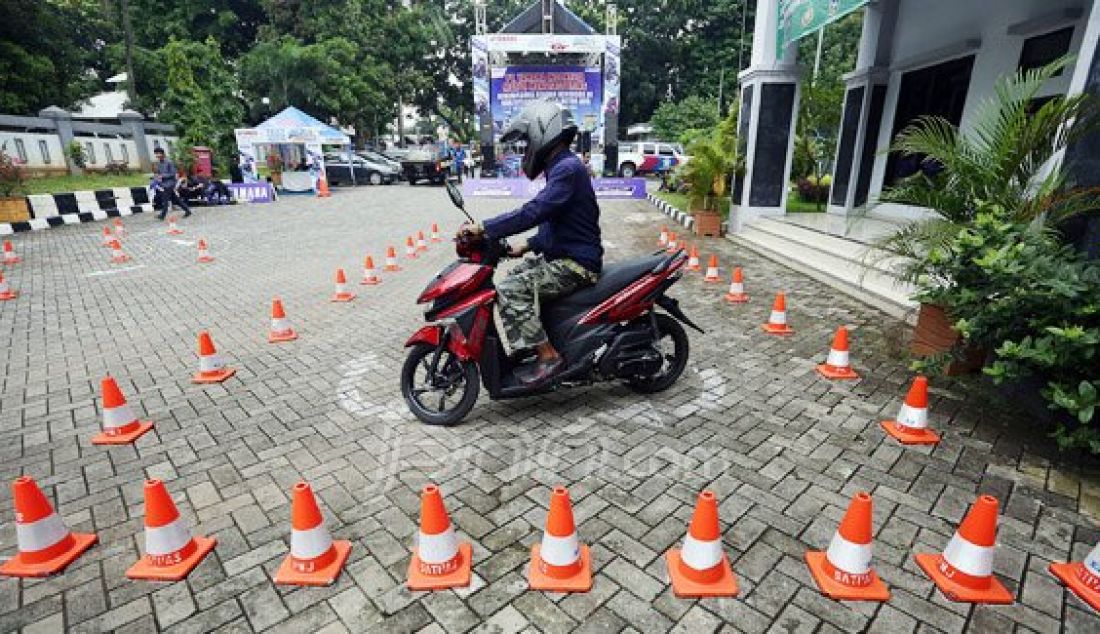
(707, 176)
(1006, 162)
(13, 208)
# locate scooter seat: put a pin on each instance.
(615, 277)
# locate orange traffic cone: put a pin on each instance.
(1082, 577)
(107, 237)
(45, 543)
(391, 260)
(911, 425)
(212, 368)
(171, 552)
(693, 260)
(701, 568)
(673, 247)
(5, 291)
(844, 571)
(314, 559)
(117, 256)
(173, 230)
(737, 294)
(662, 240)
(322, 188)
(421, 244)
(712, 270)
(10, 256)
(281, 329)
(439, 561)
(777, 322)
(435, 233)
(370, 275)
(120, 425)
(120, 231)
(204, 253)
(964, 572)
(342, 293)
(410, 248)
(837, 365)
(560, 563)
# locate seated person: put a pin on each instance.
(217, 193)
(568, 246)
(190, 189)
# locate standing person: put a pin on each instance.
(164, 172)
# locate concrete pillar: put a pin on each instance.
(864, 98)
(1082, 159)
(766, 123)
(136, 123)
(63, 123)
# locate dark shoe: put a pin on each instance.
(160, 217)
(187, 214)
(538, 372)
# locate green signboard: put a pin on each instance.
(798, 18)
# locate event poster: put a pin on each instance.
(576, 87)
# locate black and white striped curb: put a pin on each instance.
(55, 210)
(679, 216)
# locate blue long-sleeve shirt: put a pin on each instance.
(565, 212)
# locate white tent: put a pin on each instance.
(291, 127)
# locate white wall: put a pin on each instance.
(925, 26)
(35, 158)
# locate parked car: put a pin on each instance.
(376, 157)
(649, 157)
(395, 153)
(366, 172)
(426, 165)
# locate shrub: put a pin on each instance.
(11, 174)
(814, 190)
(75, 151)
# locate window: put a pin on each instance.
(89, 149)
(665, 150)
(44, 150)
(21, 150)
(125, 153)
(107, 152)
(1043, 49)
(649, 148)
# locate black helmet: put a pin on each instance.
(543, 124)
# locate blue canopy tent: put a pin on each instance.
(294, 135)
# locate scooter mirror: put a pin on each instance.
(456, 195)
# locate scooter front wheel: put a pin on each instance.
(439, 388)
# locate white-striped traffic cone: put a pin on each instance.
(435, 237)
(838, 365)
(171, 552)
(693, 260)
(673, 246)
(777, 321)
(342, 294)
(173, 229)
(370, 274)
(410, 248)
(560, 563)
(712, 270)
(844, 571)
(6, 292)
(964, 571)
(120, 230)
(281, 329)
(314, 559)
(204, 253)
(911, 425)
(46, 545)
(212, 368)
(662, 239)
(421, 243)
(439, 561)
(107, 237)
(737, 294)
(117, 256)
(120, 425)
(10, 256)
(1082, 577)
(391, 261)
(701, 568)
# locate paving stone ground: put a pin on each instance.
(783, 449)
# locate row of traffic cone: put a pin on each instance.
(560, 562)
(370, 274)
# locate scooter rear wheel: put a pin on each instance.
(673, 344)
(445, 396)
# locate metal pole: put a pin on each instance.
(131, 79)
(817, 57)
(721, 82)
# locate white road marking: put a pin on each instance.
(114, 271)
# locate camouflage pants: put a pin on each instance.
(519, 294)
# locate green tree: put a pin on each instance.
(672, 120)
(200, 96)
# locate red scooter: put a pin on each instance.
(607, 332)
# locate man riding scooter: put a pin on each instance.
(567, 247)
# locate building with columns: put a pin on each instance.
(916, 57)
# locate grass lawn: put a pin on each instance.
(681, 202)
(796, 205)
(68, 183)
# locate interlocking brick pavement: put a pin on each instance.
(783, 449)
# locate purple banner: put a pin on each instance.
(252, 192)
(576, 87)
(606, 188)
